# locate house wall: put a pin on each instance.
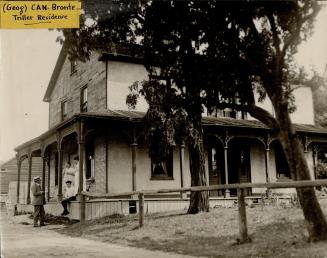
(258, 166)
(68, 88)
(9, 172)
(120, 166)
(100, 164)
(120, 76)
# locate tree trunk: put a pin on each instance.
(199, 201)
(315, 220)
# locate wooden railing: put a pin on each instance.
(240, 196)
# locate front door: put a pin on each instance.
(239, 164)
(216, 168)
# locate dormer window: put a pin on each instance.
(64, 110)
(73, 66)
(84, 99)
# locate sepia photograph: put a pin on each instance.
(163, 128)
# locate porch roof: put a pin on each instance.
(136, 116)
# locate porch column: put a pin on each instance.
(81, 154)
(60, 157)
(19, 163)
(28, 199)
(181, 164)
(134, 147)
(315, 159)
(44, 160)
(267, 164)
(48, 164)
(227, 192)
(29, 178)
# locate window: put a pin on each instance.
(73, 66)
(64, 110)
(89, 149)
(84, 99)
(163, 169)
(228, 112)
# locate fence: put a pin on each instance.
(243, 232)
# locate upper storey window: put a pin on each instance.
(64, 110)
(73, 66)
(228, 112)
(84, 99)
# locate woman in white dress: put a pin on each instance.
(76, 179)
(68, 173)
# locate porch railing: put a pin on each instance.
(243, 231)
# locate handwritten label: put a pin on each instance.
(39, 14)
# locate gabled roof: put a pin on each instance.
(60, 61)
(122, 52)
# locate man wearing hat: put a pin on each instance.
(68, 197)
(38, 201)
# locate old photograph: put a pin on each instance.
(164, 129)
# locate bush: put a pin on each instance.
(321, 170)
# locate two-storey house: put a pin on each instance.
(89, 118)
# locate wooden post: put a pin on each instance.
(60, 157)
(134, 146)
(48, 163)
(315, 160)
(141, 209)
(268, 191)
(181, 164)
(267, 165)
(19, 163)
(28, 199)
(44, 159)
(227, 192)
(107, 160)
(242, 217)
(81, 153)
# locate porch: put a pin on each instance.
(113, 140)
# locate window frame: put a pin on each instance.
(73, 67)
(169, 166)
(83, 104)
(64, 110)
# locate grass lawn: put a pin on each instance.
(276, 231)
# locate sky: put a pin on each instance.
(28, 57)
(27, 61)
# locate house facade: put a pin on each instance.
(89, 119)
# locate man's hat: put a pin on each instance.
(36, 178)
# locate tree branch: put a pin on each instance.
(262, 115)
(296, 33)
(276, 40)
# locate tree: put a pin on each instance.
(214, 54)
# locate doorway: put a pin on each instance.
(239, 164)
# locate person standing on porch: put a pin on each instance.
(38, 201)
(76, 179)
(68, 197)
(68, 173)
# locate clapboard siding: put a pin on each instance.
(8, 172)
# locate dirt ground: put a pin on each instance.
(20, 239)
(276, 231)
